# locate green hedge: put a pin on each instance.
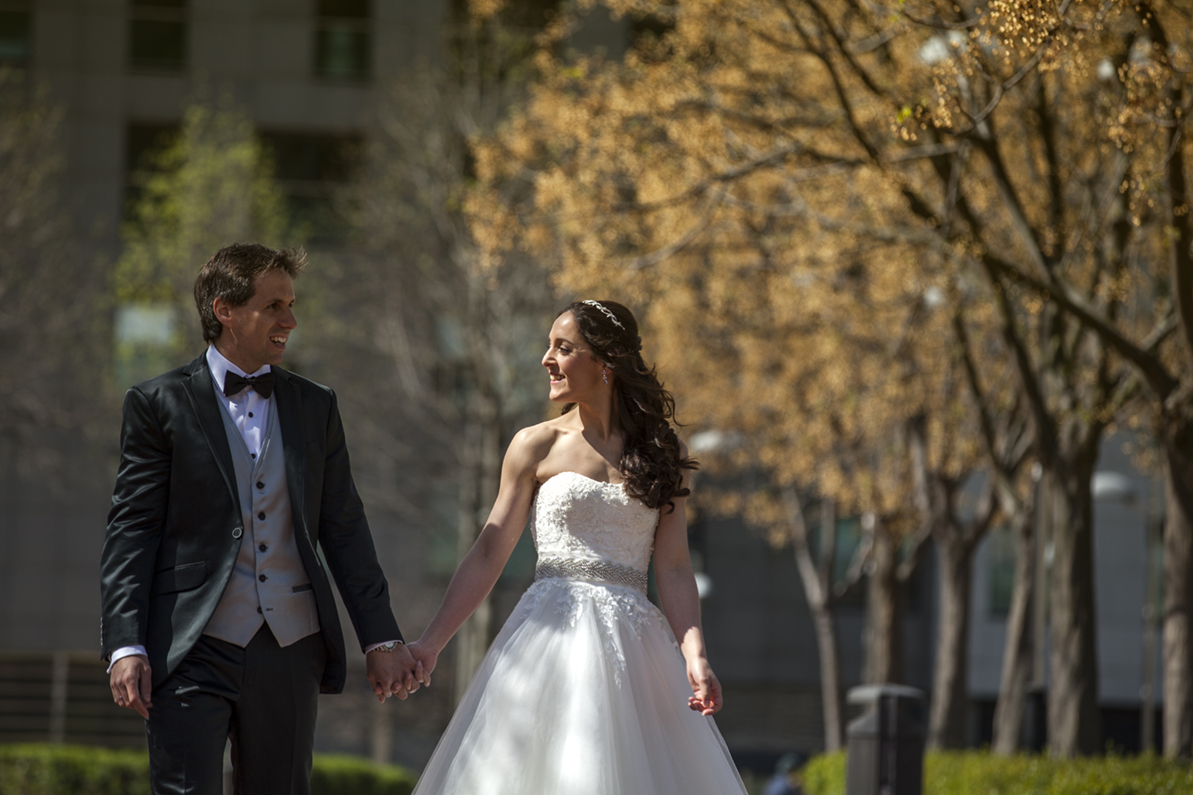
(824, 775)
(62, 769)
(77, 770)
(351, 775)
(978, 773)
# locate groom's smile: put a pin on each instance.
(256, 333)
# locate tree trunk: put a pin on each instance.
(831, 695)
(1178, 587)
(1018, 652)
(950, 682)
(481, 474)
(884, 612)
(1074, 725)
(817, 577)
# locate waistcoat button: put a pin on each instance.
(261, 516)
(262, 578)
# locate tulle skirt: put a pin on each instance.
(584, 692)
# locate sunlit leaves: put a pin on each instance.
(798, 196)
(211, 186)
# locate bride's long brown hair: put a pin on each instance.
(651, 462)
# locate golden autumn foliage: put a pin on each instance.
(791, 295)
(803, 177)
(807, 201)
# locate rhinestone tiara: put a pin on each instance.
(608, 313)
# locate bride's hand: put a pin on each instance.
(706, 698)
(424, 654)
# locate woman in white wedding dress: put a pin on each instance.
(585, 691)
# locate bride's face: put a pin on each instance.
(574, 372)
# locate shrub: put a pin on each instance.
(825, 775)
(980, 773)
(335, 774)
(63, 769)
(77, 770)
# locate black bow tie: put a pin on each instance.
(234, 383)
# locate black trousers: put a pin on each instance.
(264, 697)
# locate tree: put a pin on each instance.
(454, 338)
(210, 186)
(1007, 441)
(760, 140)
(823, 593)
(51, 296)
(820, 362)
(1147, 73)
(1123, 273)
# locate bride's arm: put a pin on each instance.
(681, 605)
(481, 567)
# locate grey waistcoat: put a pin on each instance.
(269, 583)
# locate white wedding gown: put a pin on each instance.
(584, 691)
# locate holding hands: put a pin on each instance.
(426, 656)
(394, 672)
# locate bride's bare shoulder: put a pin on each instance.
(534, 442)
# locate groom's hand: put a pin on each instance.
(393, 673)
(132, 683)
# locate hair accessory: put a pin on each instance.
(604, 375)
(608, 313)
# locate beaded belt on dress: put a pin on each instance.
(592, 570)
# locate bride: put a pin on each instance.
(584, 689)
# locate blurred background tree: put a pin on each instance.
(759, 166)
(206, 186)
(436, 348)
(52, 307)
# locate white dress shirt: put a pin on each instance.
(248, 410)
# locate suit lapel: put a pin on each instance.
(200, 390)
(289, 407)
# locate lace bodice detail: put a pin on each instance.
(581, 518)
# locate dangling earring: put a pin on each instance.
(604, 375)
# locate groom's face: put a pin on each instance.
(256, 333)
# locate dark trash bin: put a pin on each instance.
(885, 752)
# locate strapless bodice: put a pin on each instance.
(578, 518)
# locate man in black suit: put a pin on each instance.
(218, 615)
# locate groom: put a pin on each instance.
(218, 615)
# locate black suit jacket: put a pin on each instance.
(175, 526)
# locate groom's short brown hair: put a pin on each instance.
(231, 273)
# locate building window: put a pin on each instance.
(849, 539)
(157, 35)
(143, 146)
(146, 341)
(16, 32)
(1000, 562)
(342, 42)
(310, 169)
